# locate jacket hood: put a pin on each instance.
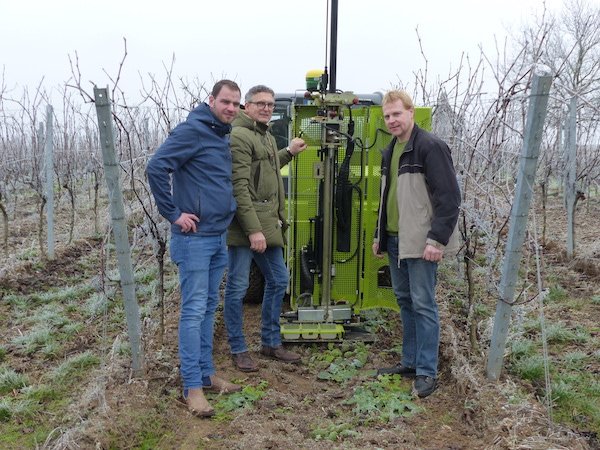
(204, 114)
(244, 120)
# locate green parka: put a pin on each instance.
(257, 184)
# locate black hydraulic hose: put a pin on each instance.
(343, 195)
(306, 275)
(355, 253)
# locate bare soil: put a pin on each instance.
(466, 412)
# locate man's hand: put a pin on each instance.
(297, 145)
(376, 250)
(258, 242)
(187, 222)
(432, 253)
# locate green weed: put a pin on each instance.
(334, 432)
(342, 362)
(384, 399)
(379, 321)
(244, 399)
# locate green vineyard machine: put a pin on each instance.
(333, 191)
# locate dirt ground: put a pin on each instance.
(466, 412)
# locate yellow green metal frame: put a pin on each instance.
(357, 276)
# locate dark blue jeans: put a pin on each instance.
(273, 268)
(413, 282)
(201, 262)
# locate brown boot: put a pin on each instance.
(221, 386)
(244, 362)
(280, 354)
(197, 403)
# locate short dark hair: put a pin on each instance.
(257, 90)
(219, 85)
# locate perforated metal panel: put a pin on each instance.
(357, 274)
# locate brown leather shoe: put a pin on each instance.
(197, 404)
(244, 362)
(280, 354)
(220, 386)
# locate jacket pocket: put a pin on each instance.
(268, 216)
(256, 180)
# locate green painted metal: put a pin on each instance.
(358, 277)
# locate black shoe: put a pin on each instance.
(424, 385)
(398, 369)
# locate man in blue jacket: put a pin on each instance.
(190, 178)
(418, 213)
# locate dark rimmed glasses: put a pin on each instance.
(263, 105)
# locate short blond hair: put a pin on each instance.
(392, 96)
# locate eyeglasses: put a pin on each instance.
(263, 105)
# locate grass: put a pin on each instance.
(59, 337)
(11, 380)
(574, 388)
(31, 342)
(556, 294)
(40, 393)
(15, 410)
(558, 333)
(529, 367)
(62, 295)
(74, 367)
(576, 400)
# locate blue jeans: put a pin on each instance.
(273, 268)
(201, 261)
(413, 281)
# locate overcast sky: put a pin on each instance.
(272, 42)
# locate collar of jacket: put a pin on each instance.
(409, 144)
(244, 120)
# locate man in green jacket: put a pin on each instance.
(257, 230)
